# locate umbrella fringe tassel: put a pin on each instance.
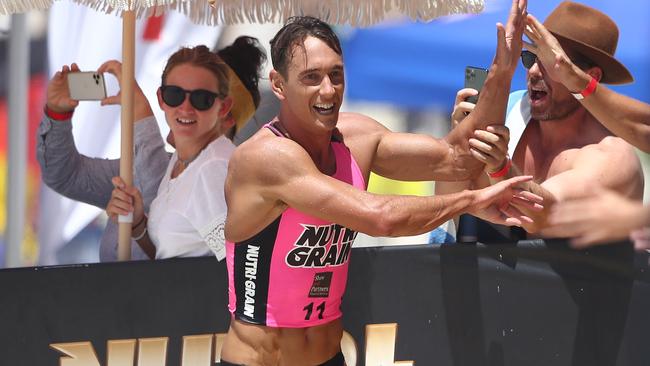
(213, 12)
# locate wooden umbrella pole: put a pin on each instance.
(126, 158)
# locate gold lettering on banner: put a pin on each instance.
(205, 350)
(380, 345)
(152, 351)
(197, 350)
(76, 354)
(120, 352)
(349, 349)
(218, 345)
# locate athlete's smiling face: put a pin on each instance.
(314, 84)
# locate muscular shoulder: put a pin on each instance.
(607, 163)
(614, 158)
(355, 124)
(610, 148)
(362, 135)
(266, 158)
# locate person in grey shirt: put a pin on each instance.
(88, 180)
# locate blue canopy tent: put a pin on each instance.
(418, 65)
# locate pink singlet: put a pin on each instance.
(293, 272)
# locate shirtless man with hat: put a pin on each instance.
(552, 135)
(570, 154)
(563, 146)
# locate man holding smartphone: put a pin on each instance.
(552, 136)
(571, 155)
(582, 218)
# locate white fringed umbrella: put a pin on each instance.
(226, 12)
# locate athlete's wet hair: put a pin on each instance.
(293, 33)
(245, 57)
(199, 56)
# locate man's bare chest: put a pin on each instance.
(542, 163)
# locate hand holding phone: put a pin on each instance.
(88, 85)
(58, 93)
(475, 78)
(462, 108)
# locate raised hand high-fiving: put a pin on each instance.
(494, 203)
(509, 37)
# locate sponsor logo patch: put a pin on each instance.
(321, 285)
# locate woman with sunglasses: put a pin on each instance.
(189, 209)
(89, 180)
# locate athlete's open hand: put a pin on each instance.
(494, 202)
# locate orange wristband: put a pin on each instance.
(503, 171)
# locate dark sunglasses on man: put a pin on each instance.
(528, 58)
(200, 99)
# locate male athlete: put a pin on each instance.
(296, 196)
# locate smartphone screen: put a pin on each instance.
(475, 78)
(87, 85)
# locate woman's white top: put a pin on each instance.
(187, 216)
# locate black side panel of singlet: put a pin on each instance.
(265, 241)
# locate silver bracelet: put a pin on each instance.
(144, 232)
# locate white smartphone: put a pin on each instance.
(87, 85)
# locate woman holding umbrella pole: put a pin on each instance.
(89, 180)
(189, 209)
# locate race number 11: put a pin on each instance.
(310, 309)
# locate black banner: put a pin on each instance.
(534, 303)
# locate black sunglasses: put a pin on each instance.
(528, 58)
(200, 99)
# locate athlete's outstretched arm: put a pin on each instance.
(410, 157)
(400, 155)
(259, 189)
(491, 106)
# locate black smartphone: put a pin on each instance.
(474, 78)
